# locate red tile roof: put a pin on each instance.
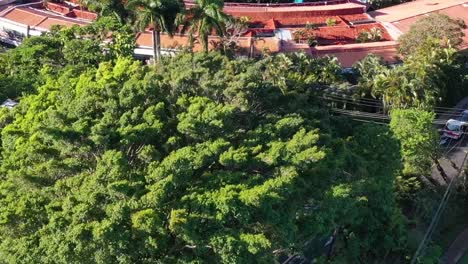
(345, 34)
(271, 24)
(48, 23)
(57, 7)
(40, 19)
(24, 17)
(271, 17)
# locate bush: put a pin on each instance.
(435, 26)
(373, 35)
(311, 25)
(331, 22)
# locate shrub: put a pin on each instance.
(374, 34)
(331, 22)
(311, 26)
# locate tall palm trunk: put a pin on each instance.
(205, 43)
(156, 45)
(251, 48)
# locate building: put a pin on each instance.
(319, 28)
(398, 19)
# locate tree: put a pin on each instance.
(435, 26)
(421, 81)
(205, 18)
(418, 139)
(109, 8)
(202, 159)
(235, 28)
(367, 68)
(160, 15)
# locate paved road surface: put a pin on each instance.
(457, 249)
(456, 155)
(455, 150)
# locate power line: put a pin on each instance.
(437, 109)
(439, 211)
(448, 190)
(379, 101)
(362, 114)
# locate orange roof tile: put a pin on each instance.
(49, 22)
(144, 39)
(23, 17)
(271, 24)
(346, 35)
(326, 9)
(39, 19)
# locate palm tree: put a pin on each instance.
(161, 15)
(114, 8)
(204, 18)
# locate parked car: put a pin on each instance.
(464, 116)
(454, 128)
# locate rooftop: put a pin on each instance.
(401, 17)
(38, 18)
(275, 24)
(412, 9)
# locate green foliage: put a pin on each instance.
(418, 139)
(429, 76)
(161, 15)
(29, 66)
(109, 8)
(369, 67)
(205, 17)
(436, 26)
(373, 35)
(331, 22)
(203, 159)
(311, 26)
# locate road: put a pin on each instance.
(455, 153)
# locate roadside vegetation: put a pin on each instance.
(208, 158)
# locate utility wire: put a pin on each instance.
(377, 105)
(437, 214)
(437, 109)
(343, 95)
(375, 115)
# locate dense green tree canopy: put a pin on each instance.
(203, 159)
(209, 159)
(25, 68)
(435, 26)
(429, 76)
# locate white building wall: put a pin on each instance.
(6, 25)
